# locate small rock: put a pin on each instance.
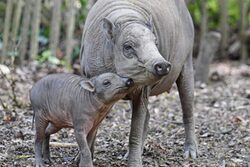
(247, 93)
(201, 85)
(231, 143)
(231, 164)
(216, 76)
(9, 117)
(245, 71)
(235, 162)
(205, 135)
(19, 135)
(238, 120)
(246, 139)
(4, 69)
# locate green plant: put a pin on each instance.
(213, 13)
(47, 56)
(83, 10)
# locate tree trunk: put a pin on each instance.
(70, 31)
(16, 21)
(55, 26)
(7, 22)
(35, 28)
(223, 27)
(25, 31)
(243, 19)
(209, 45)
(203, 18)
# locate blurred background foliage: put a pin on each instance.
(67, 48)
(213, 13)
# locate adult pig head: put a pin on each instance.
(136, 52)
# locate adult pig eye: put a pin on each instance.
(127, 47)
(106, 83)
(128, 51)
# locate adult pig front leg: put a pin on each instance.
(185, 84)
(140, 117)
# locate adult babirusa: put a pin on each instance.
(151, 42)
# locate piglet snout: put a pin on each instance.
(129, 82)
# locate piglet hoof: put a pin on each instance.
(135, 162)
(39, 165)
(135, 165)
(190, 150)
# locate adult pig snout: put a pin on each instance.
(129, 82)
(161, 68)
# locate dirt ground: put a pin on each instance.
(222, 113)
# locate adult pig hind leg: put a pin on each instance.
(185, 84)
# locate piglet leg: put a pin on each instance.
(51, 129)
(85, 154)
(39, 139)
(91, 141)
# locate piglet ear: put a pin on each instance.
(87, 85)
(108, 28)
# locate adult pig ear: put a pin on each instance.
(150, 23)
(87, 85)
(108, 28)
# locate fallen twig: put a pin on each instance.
(2, 103)
(23, 156)
(57, 144)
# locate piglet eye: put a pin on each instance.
(106, 83)
(156, 42)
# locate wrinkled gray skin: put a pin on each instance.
(67, 100)
(151, 42)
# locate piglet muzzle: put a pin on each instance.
(129, 82)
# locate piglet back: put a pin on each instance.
(54, 87)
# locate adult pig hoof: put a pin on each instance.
(39, 165)
(135, 163)
(190, 151)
